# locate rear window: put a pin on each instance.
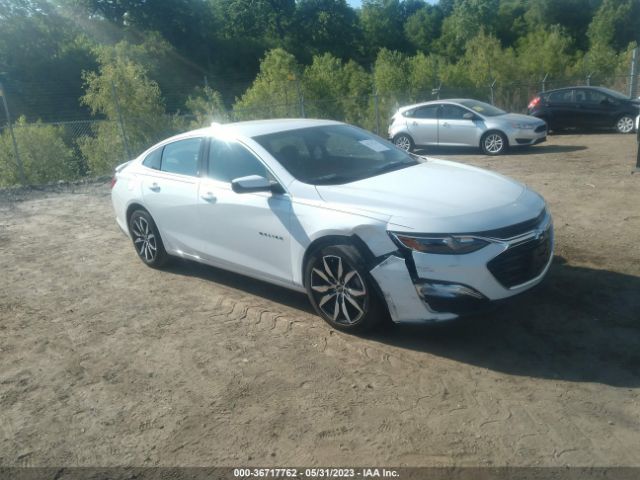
(182, 157)
(563, 96)
(153, 159)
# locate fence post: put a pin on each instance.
(23, 178)
(633, 84)
(377, 108)
(492, 86)
(121, 122)
(637, 169)
(544, 82)
(300, 97)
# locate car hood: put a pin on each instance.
(519, 118)
(438, 196)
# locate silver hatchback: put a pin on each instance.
(464, 122)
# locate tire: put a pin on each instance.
(625, 124)
(341, 290)
(494, 143)
(404, 142)
(146, 239)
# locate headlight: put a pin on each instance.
(443, 245)
(523, 126)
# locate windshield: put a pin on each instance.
(614, 94)
(334, 154)
(483, 108)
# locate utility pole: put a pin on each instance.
(23, 178)
(121, 122)
(544, 82)
(637, 169)
(633, 84)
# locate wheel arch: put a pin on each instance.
(132, 208)
(493, 130)
(327, 240)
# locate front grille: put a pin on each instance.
(523, 262)
(541, 128)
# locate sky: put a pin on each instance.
(358, 3)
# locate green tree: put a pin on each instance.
(615, 24)
(207, 106)
(43, 152)
(545, 51)
(383, 22)
(327, 26)
(139, 104)
(423, 28)
(273, 92)
(464, 22)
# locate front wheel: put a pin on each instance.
(494, 143)
(341, 289)
(405, 142)
(625, 124)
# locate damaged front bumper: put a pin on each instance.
(422, 287)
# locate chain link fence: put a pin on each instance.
(70, 150)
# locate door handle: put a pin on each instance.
(209, 197)
(415, 124)
(154, 187)
(445, 124)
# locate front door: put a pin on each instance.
(246, 231)
(454, 129)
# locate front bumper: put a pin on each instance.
(524, 137)
(422, 287)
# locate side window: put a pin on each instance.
(581, 96)
(596, 97)
(452, 112)
(182, 157)
(153, 159)
(230, 160)
(563, 96)
(430, 111)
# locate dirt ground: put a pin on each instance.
(104, 361)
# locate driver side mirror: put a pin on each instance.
(469, 116)
(255, 183)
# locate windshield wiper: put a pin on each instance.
(394, 166)
(332, 178)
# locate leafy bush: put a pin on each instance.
(45, 157)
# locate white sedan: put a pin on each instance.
(366, 229)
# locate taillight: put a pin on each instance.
(533, 103)
(114, 179)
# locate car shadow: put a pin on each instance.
(268, 291)
(581, 324)
(530, 150)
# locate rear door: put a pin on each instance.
(422, 123)
(596, 108)
(170, 192)
(454, 129)
(562, 109)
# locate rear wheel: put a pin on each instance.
(625, 124)
(341, 289)
(494, 143)
(146, 239)
(404, 141)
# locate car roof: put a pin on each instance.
(254, 128)
(431, 102)
(574, 87)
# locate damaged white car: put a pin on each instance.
(366, 229)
